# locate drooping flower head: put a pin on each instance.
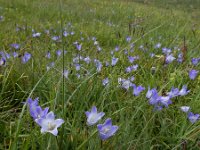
(107, 130)
(173, 93)
(193, 73)
(114, 61)
(193, 117)
(93, 116)
(137, 89)
(49, 124)
(26, 57)
(184, 91)
(185, 108)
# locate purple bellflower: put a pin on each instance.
(93, 117)
(105, 81)
(26, 57)
(184, 91)
(195, 61)
(193, 117)
(49, 124)
(193, 74)
(107, 130)
(173, 93)
(114, 61)
(137, 90)
(185, 108)
(169, 58)
(15, 46)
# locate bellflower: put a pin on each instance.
(169, 58)
(48, 55)
(26, 57)
(180, 57)
(193, 117)
(36, 34)
(98, 65)
(150, 92)
(2, 61)
(128, 38)
(173, 93)
(35, 110)
(185, 108)
(114, 61)
(105, 81)
(93, 116)
(184, 91)
(65, 73)
(107, 130)
(165, 100)
(58, 53)
(49, 124)
(15, 54)
(15, 46)
(158, 45)
(137, 90)
(166, 50)
(195, 61)
(193, 74)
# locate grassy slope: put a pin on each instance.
(140, 127)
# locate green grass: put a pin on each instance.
(139, 126)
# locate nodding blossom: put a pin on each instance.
(185, 108)
(105, 81)
(195, 61)
(169, 58)
(137, 89)
(184, 91)
(49, 123)
(26, 57)
(36, 34)
(93, 116)
(107, 130)
(15, 46)
(193, 74)
(193, 117)
(35, 110)
(114, 61)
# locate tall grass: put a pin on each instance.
(140, 127)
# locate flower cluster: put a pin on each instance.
(106, 130)
(46, 120)
(159, 101)
(191, 116)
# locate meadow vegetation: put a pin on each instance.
(138, 62)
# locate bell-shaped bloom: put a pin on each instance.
(169, 58)
(184, 91)
(105, 81)
(165, 100)
(37, 112)
(15, 46)
(114, 61)
(36, 34)
(195, 61)
(185, 108)
(49, 124)
(193, 74)
(173, 93)
(137, 90)
(193, 117)
(106, 130)
(26, 57)
(93, 116)
(150, 92)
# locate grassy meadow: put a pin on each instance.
(76, 54)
